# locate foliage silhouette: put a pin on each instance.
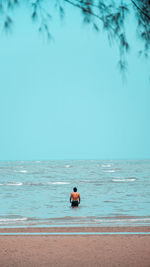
(111, 16)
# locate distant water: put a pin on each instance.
(113, 193)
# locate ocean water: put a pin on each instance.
(113, 193)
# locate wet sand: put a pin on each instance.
(77, 250)
(75, 229)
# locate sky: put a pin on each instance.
(65, 99)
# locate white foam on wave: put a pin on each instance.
(68, 166)
(122, 220)
(44, 184)
(124, 180)
(13, 183)
(23, 171)
(13, 220)
(106, 165)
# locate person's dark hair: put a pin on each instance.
(75, 189)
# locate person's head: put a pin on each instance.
(75, 189)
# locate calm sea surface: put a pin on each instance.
(36, 193)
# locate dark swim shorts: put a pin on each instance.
(74, 204)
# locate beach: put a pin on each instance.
(110, 228)
(110, 247)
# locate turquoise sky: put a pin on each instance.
(66, 99)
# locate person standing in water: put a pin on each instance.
(75, 198)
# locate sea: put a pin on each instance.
(36, 193)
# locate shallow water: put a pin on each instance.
(35, 193)
(77, 233)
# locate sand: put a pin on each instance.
(80, 250)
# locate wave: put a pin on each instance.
(13, 219)
(67, 166)
(75, 221)
(11, 184)
(35, 184)
(48, 183)
(123, 220)
(22, 171)
(14, 184)
(32, 184)
(110, 171)
(124, 180)
(106, 165)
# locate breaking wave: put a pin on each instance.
(124, 180)
(8, 220)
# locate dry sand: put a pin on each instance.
(88, 250)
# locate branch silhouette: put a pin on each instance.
(110, 16)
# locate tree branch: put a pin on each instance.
(79, 6)
(141, 11)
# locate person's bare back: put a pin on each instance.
(75, 198)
